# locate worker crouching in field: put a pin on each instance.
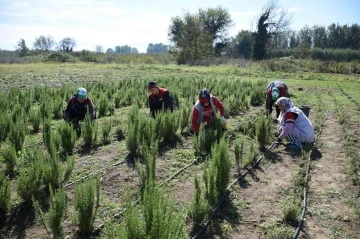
(274, 91)
(205, 110)
(159, 99)
(293, 125)
(77, 107)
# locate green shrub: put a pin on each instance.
(86, 203)
(5, 194)
(251, 155)
(206, 138)
(17, 134)
(57, 106)
(111, 108)
(30, 179)
(10, 159)
(162, 219)
(117, 100)
(279, 232)
(239, 150)
(119, 131)
(185, 118)
(55, 215)
(5, 124)
(290, 209)
(133, 129)
(18, 112)
(169, 125)
(67, 137)
(56, 173)
(35, 119)
(51, 138)
(106, 128)
(89, 131)
(45, 109)
(103, 106)
(217, 174)
(198, 207)
(262, 131)
(132, 226)
(147, 173)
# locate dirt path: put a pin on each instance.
(255, 200)
(330, 189)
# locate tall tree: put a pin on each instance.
(244, 41)
(193, 43)
(44, 43)
(194, 35)
(319, 36)
(216, 22)
(99, 49)
(273, 20)
(67, 44)
(22, 48)
(134, 50)
(354, 39)
(109, 51)
(157, 48)
(305, 35)
(125, 50)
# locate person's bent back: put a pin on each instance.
(159, 99)
(78, 105)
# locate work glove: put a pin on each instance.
(277, 143)
(223, 120)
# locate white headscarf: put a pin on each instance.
(286, 102)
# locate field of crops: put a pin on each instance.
(131, 176)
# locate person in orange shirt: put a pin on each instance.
(205, 110)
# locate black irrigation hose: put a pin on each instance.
(297, 231)
(167, 180)
(228, 190)
(93, 173)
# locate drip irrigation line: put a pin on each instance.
(178, 172)
(93, 173)
(302, 217)
(117, 215)
(227, 191)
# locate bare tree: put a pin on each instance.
(277, 18)
(273, 20)
(44, 43)
(99, 49)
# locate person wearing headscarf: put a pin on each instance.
(274, 91)
(205, 110)
(293, 125)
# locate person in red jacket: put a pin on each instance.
(274, 91)
(205, 109)
(159, 99)
(78, 105)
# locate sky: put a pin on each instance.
(137, 23)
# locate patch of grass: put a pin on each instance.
(330, 193)
(338, 231)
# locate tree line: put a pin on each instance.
(67, 44)
(204, 34)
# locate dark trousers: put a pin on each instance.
(276, 108)
(73, 114)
